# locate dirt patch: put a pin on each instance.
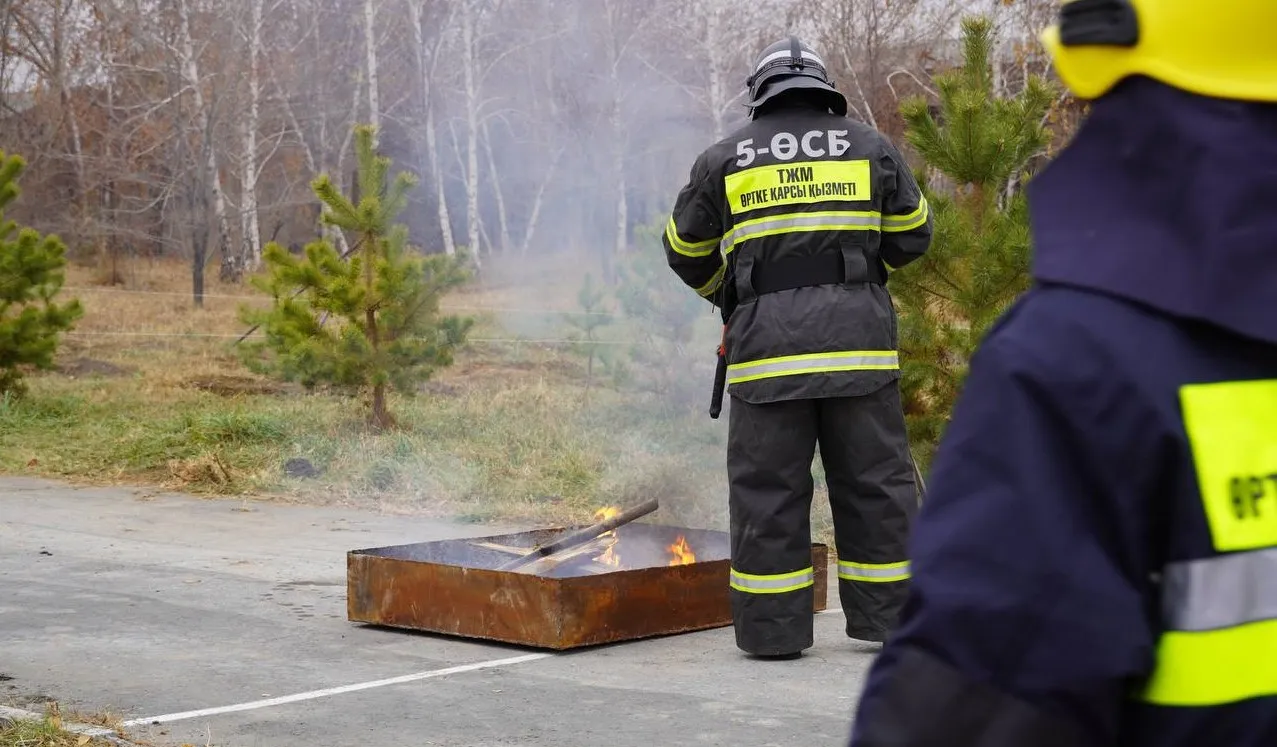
(91, 367)
(227, 385)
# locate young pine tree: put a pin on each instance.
(30, 277)
(368, 324)
(663, 314)
(593, 316)
(978, 263)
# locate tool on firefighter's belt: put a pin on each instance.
(720, 378)
(581, 536)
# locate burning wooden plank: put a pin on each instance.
(582, 536)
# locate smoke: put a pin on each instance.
(587, 117)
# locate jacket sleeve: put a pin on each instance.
(694, 231)
(906, 216)
(1028, 617)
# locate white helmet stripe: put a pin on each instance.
(782, 55)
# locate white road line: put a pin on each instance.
(252, 705)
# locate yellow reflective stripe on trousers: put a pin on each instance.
(1221, 642)
(777, 583)
(840, 220)
(689, 249)
(874, 573)
(716, 282)
(792, 365)
(909, 221)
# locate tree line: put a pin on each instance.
(194, 128)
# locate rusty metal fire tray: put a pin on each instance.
(641, 581)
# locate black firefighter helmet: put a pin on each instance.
(788, 65)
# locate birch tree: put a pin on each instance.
(231, 268)
(370, 51)
(426, 49)
(250, 229)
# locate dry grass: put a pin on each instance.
(506, 433)
(52, 729)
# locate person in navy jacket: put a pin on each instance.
(1096, 563)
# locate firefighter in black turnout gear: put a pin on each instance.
(791, 226)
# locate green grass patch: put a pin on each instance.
(507, 435)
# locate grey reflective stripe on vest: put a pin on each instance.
(772, 584)
(817, 363)
(835, 221)
(1220, 592)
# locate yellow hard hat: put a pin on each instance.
(1220, 48)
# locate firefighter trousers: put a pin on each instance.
(873, 498)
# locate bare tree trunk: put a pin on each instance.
(231, 267)
(60, 72)
(425, 72)
(472, 130)
(496, 191)
(618, 174)
(432, 149)
(370, 43)
(534, 215)
(251, 254)
(717, 47)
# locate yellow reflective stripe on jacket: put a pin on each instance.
(837, 220)
(688, 249)
(1232, 427)
(874, 573)
(1214, 667)
(716, 282)
(777, 583)
(1221, 642)
(909, 221)
(812, 363)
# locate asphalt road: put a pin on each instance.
(149, 606)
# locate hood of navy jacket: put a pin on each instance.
(1168, 200)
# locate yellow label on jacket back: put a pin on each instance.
(1232, 427)
(798, 183)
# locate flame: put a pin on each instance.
(609, 556)
(682, 552)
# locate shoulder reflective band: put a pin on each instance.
(874, 573)
(907, 222)
(841, 220)
(1221, 642)
(772, 584)
(851, 360)
(689, 249)
(803, 183)
(1232, 427)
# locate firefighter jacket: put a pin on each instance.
(1096, 562)
(790, 226)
